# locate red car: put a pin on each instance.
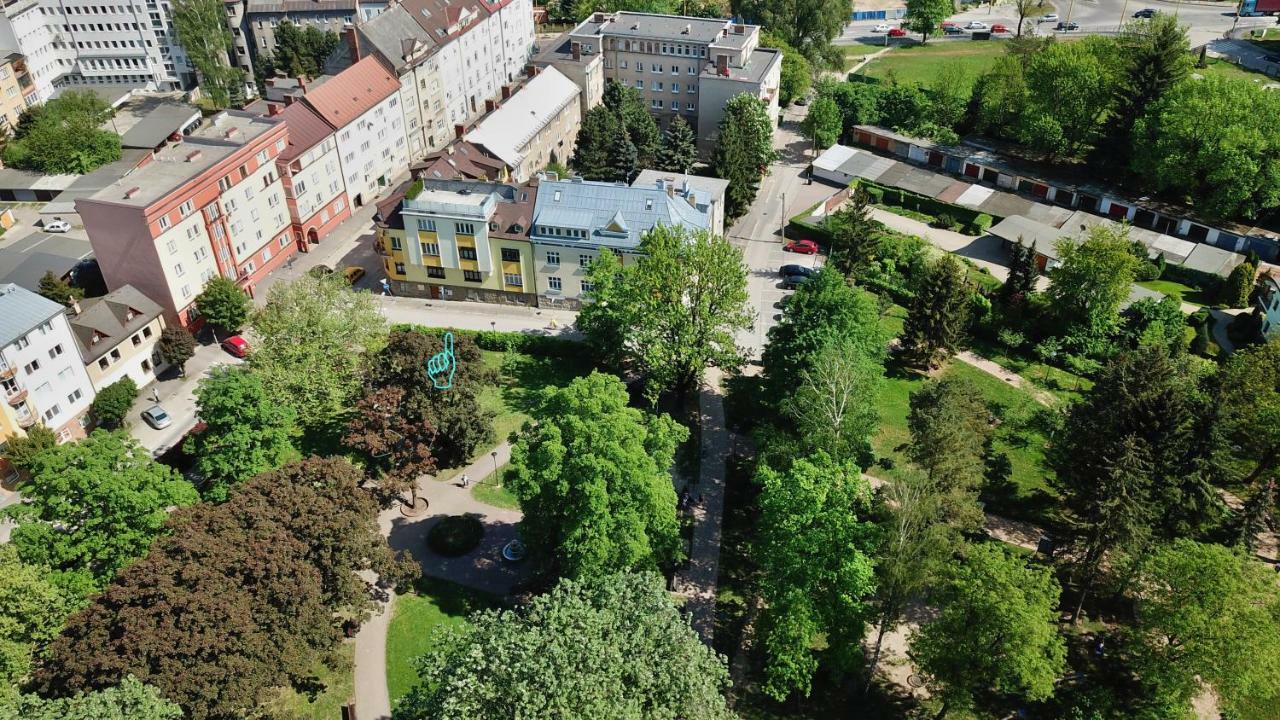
(897, 32)
(236, 346)
(804, 247)
(998, 28)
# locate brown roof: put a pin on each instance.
(438, 16)
(306, 129)
(353, 92)
(110, 320)
(462, 160)
(509, 215)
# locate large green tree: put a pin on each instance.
(856, 238)
(1071, 90)
(130, 700)
(1247, 397)
(642, 130)
(112, 403)
(813, 546)
(593, 479)
(606, 646)
(312, 338)
(176, 346)
(302, 51)
(796, 74)
(996, 630)
(1205, 615)
(676, 310)
(21, 451)
(58, 290)
(600, 134)
(33, 607)
(246, 432)
(224, 304)
(64, 136)
(806, 25)
(823, 123)
(201, 27)
(950, 426)
(679, 149)
(744, 149)
(926, 16)
(1208, 142)
(1092, 280)
(395, 438)
(938, 315)
(1023, 272)
(96, 505)
(834, 407)
(1239, 285)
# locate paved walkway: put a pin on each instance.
(999, 371)
(373, 699)
(697, 581)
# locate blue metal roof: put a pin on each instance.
(21, 311)
(611, 215)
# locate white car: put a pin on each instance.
(57, 225)
(881, 28)
(976, 25)
(1051, 17)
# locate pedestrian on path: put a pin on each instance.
(466, 480)
(155, 394)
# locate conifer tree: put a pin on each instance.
(1022, 274)
(600, 130)
(743, 151)
(679, 149)
(58, 290)
(938, 315)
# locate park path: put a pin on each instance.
(697, 581)
(999, 371)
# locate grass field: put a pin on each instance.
(1231, 70)
(1177, 291)
(1062, 384)
(333, 686)
(433, 605)
(854, 52)
(921, 63)
(492, 492)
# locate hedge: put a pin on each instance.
(1207, 283)
(538, 345)
(974, 221)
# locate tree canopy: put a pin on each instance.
(33, 606)
(201, 27)
(796, 74)
(224, 304)
(64, 136)
(112, 403)
(806, 25)
(1092, 280)
(824, 123)
(744, 149)
(939, 313)
(130, 700)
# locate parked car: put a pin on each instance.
(791, 282)
(57, 225)
(804, 247)
(998, 28)
(881, 28)
(897, 32)
(156, 417)
(951, 30)
(786, 270)
(353, 274)
(1145, 13)
(236, 346)
(976, 25)
(1051, 17)
(1068, 26)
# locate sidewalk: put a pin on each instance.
(466, 315)
(177, 397)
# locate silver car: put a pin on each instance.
(157, 417)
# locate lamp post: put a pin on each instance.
(496, 479)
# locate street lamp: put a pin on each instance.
(496, 479)
(493, 325)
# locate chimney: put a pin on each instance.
(688, 28)
(597, 17)
(132, 192)
(506, 92)
(289, 99)
(274, 109)
(530, 70)
(739, 29)
(490, 106)
(722, 65)
(195, 154)
(671, 189)
(577, 50)
(353, 42)
(75, 305)
(302, 83)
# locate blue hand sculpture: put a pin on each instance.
(441, 366)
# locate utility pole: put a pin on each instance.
(782, 221)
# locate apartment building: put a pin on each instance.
(117, 335)
(42, 377)
(683, 65)
(78, 43)
(586, 71)
(460, 240)
(362, 105)
(211, 204)
(254, 23)
(17, 90)
(537, 126)
(311, 171)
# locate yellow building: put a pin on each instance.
(9, 429)
(17, 90)
(460, 240)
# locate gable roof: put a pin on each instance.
(505, 131)
(111, 318)
(306, 130)
(352, 92)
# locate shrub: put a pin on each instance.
(876, 194)
(498, 341)
(1011, 339)
(1200, 343)
(1048, 349)
(111, 406)
(1147, 271)
(944, 221)
(980, 224)
(455, 535)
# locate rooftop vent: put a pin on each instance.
(132, 192)
(688, 28)
(194, 155)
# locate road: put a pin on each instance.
(177, 397)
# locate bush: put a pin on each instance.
(1011, 339)
(944, 221)
(980, 224)
(537, 345)
(1048, 349)
(1147, 271)
(876, 194)
(455, 535)
(111, 406)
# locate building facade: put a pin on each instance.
(683, 66)
(17, 90)
(117, 336)
(586, 71)
(42, 376)
(311, 171)
(459, 240)
(537, 126)
(213, 204)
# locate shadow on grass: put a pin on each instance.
(524, 376)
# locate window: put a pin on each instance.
(74, 396)
(31, 367)
(395, 243)
(104, 363)
(513, 279)
(510, 255)
(689, 107)
(137, 340)
(21, 342)
(553, 258)
(172, 246)
(163, 222)
(55, 351)
(554, 283)
(587, 286)
(186, 291)
(425, 224)
(466, 253)
(177, 270)
(146, 331)
(584, 260)
(432, 249)
(435, 272)
(52, 412)
(464, 228)
(471, 276)
(399, 268)
(185, 208)
(657, 104)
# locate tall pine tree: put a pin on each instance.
(1022, 274)
(600, 132)
(628, 104)
(679, 149)
(939, 314)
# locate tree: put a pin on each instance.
(1205, 615)
(1074, 90)
(201, 26)
(1092, 279)
(130, 700)
(1233, 171)
(593, 151)
(676, 310)
(939, 314)
(679, 150)
(22, 451)
(856, 238)
(806, 25)
(322, 325)
(834, 409)
(996, 630)
(224, 304)
(796, 74)
(260, 582)
(246, 432)
(112, 404)
(33, 608)
(950, 426)
(813, 550)
(593, 480)
(58, 290)
(303, 51)
(926, 16)
(823, 123)
(64, 137)
(606, 646)
(96, 505)
(744, 149)
(1155, 322)
(1248, 400)
(1000, 96)
(641, 129)
(1023, 272)
(176, 346)
(1023, 8)
(1239, 285)
(904, 106)
(398, 442)
(859, 103)
(949, 95)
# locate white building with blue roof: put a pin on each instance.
(574, 218)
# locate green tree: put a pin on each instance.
(112, 404)
(606, 646)
(600, 132)
(64, 137)
(676, 310)
(1247, 397)
(813, 547)
(1023, 272)
(1092, 279)
(949, 95)
(176, 346)
(856, 238)
(246, 432)
(679, 150)
(903, 106)
(939, 314)
(1156, 322)
(950, 426)
(22, 450)
(58, 290)
(1207, 142)
(996, 630)
(824, 123)
(224, 304)
(201, 27)
(32, 609)
(302, 51)
(1236, 290)
(926, 16)
(859, 103)
(806, 25)
(834, 408)
(744, 149)
(1205, 615)
(324, 326)
(796, 74)
(95, 506)
(642, 130)
(1074, 88)
(593, 480)
(130, 700)
(1000, 96)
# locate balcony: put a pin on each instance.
(26, 421)
(7, 371)
(17, 398)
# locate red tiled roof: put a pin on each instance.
(352, 92)
(306, 129)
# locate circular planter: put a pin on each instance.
(455, 535)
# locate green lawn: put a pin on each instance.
(494, 493)
(1177, 291)
(332, 686)
(854, 53)
(921, 63)
(1066, 386)
(1232, 71)
(434, 604)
